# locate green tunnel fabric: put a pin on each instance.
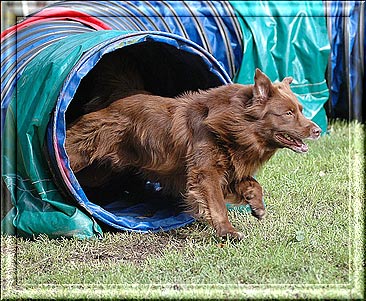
(40, 207)
(287, 38)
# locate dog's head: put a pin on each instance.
(282, 121)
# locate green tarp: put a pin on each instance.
(39, 206)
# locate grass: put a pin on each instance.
(309, 246)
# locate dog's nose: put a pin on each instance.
(315, 132)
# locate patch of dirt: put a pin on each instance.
(136, 247)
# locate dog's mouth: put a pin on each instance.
(295, 144)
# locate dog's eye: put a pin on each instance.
(290, 113)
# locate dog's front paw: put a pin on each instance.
(259, 213)
(230, 233)
(254, 197)
(236, 236)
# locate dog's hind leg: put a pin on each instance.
(78, 161)
(95, 137)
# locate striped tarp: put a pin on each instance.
(210, 24)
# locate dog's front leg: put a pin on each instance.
(205, 195)
(247, 191)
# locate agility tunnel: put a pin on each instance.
(50, 63)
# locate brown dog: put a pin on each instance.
(206, 145)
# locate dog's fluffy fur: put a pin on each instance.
(206, 145)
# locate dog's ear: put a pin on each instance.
(287, 80)
(263, 88)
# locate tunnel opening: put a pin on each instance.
(126, 201)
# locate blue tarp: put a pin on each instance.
(346, 21)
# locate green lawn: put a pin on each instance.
(310, 245)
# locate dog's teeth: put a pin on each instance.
(288, 137)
